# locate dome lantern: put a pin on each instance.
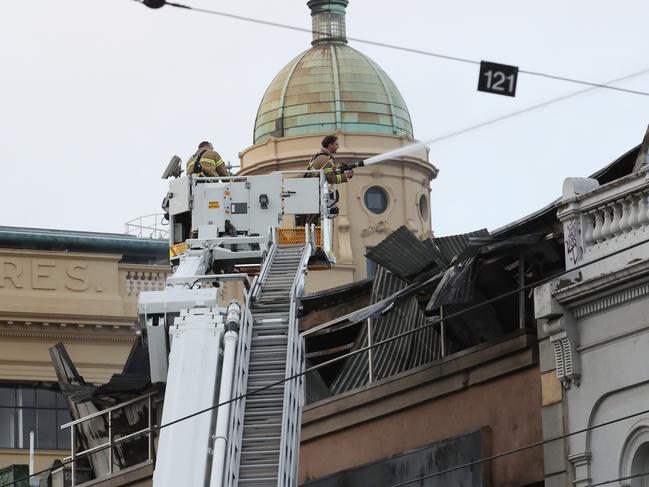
(328, 20)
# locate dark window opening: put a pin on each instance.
(423, 207)
(376, 199)
(24, 408)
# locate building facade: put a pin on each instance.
(77, 288)
(334, 89)
(594, 335)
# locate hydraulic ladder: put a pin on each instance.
(267, 426)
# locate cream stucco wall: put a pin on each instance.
(86, 301)
(405, 179)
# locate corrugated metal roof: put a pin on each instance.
(329, 297)
(453, 245)
(396, 356)
(457, 286)
(403, 254)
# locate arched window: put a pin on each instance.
(640, 465)
(376, 199)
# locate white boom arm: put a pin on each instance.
(216, 225)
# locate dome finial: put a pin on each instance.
(328, 17)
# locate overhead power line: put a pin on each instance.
(523, 448)
(619, 479)
(531, 108)
(386, 45)
(381, 343)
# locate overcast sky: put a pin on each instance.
(95, 96)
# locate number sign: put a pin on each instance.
(498, 78)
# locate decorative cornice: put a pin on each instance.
(61, 331)
(584, 292)
(66, 320)
(611, 301)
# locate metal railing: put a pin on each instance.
(108, 416)
(147, 226)
(240, 386)
(294, 389)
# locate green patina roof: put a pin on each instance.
(331, 87)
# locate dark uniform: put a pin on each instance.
(211, 162)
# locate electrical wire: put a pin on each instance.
(381, 343)
(619, 479)
(528, 109)
(522, 448)
(435, 322)
(399, 48)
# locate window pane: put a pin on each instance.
(7, 427)
(63, 436)
(28, 424)
(45, 399)
(46, 429)
(7, 396)
(376, 199)
(26, 397)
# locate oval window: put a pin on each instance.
(376, 199)
(423, 207)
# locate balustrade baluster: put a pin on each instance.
(643, 218)
(597, 229)
(617, 216)
(607, 213)
(634, 216)
(589, 225)
(625, 213)
(128, 283)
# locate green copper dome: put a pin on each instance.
(331, 87)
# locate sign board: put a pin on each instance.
(498, 78)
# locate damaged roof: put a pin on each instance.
(408, 257)
(414, 280)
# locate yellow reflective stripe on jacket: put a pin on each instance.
(212, 161)
(329, 169)
(339, 178)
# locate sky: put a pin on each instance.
(96, 96)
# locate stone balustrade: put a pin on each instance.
(600, 220)
(140, 278)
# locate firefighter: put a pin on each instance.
(325, 160)
(211, 164)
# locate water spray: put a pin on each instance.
(396, 152)
(383, 157)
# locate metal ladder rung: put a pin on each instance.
(262, 417)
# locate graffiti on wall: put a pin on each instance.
(574, 251)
